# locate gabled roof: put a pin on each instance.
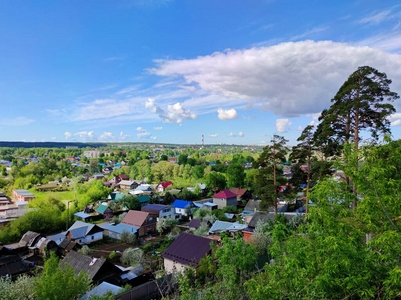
(82, 215)
(166, 184)
(238, 191)
(135, 218)
(124, 177)
(154, 208)
(226, 194)
(143, 198)
(182, 204)
(252, 205)
(126, 182)
(196, 223)
(80, 262)
(102, 208)
(188, 249)
(101, 290)
(13, 265)
(226, 226)
(81, 229)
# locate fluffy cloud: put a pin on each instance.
(213, 135)
(289, 79)
(227, 114)
(395, 119)
(124, 136)
(157, 128)
(232, 134)
(107, 136)
(175, 113)
(142, 133)
(282, 125)
(68, 135)
(83, 135)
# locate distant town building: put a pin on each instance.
(92, 153)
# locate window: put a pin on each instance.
(93, 237)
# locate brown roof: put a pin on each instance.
(135, 218)
(238, 191)
(188, 249)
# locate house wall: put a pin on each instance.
(92, 238)
(173, 267)
(181, 211)
(221, 202)
(169, 213)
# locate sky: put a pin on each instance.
(170, 71)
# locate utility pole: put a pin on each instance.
(68, 213)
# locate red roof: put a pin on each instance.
(226, 194)
(166, 184)
(135, 218)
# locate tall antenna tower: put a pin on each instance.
(203, 140)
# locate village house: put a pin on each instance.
(127, 185)
(98, 269)
(183, 207)
(115, 230)
(221, 226)
(161, 187)
(143, 220)
(186, 251)
(159, 210)
(20, 195)
(225, 198)
(105, 211)
(84, 233)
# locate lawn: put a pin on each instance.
(63, 196)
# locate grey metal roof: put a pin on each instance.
(101, 290)
(226, 226)
(120, 228)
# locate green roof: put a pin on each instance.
(144, 198)
(102, 208)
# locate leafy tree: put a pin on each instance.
(202, 230)
(261, 238)
(58, 282)
(182, 159)
(20, 289)
(215, 181)
(235, 175)
(128, 238)
(131, 202)
(163, 157)
(198, 171)
(133, 257)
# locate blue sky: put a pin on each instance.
(168, 71)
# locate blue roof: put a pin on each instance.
(182, 204)
(120, 228)
(101, 290)
(81, 215)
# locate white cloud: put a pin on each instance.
(308, 33)
(157, 128)
(376, 18)
(175, 113)
(395, 119)
(153, 137)
(240, 134)
(213, 135)
(107, 136)
(231, 134)
(289, 79)
(142, 133)
(85, 135)
(124, 136)
(227, 114)
(282, 125)
(68, 135)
